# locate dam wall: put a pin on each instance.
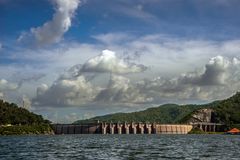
(77, 129)
(173, 129)
(121, 128)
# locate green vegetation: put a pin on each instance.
(26, 129)
(10, 113)
(228, 111)
(16, 120)
(206, 106)
(168, 113)
(199, 131)
(225, 111)
(235, 126)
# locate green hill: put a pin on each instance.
(225, 111)
(168, 113)
(16, 120)
(228, 110)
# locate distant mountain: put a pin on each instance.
(225, 111)
(168, 113)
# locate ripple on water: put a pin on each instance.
(120, 147)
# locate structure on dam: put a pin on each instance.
(209, 127)
(203, 119)
(122, 128)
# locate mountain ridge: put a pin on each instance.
(226, 111)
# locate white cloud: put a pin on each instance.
(73, 87)
(136, 12)
(236, 61)
(1, 95)
(7, 86)
(42, 89)
(72, 117)
(23, 79)
(164, 55)
(52, 31)
(109, 62)
(111, 38)
(65, 92)
(214, 73)
(167, 57)
(120, 90)
(219, 79)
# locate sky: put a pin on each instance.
(76, 59)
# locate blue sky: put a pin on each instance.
(186, 18)
(80, 58)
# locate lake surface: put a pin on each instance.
(120, 147)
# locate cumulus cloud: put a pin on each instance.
(72, 117)
(218, 79)
(108, 61)
(69, 89)
(202, 79)
(71, 72)
(120, 90)
(73, 87)
(7, 86)
(28, 78)
(52, 31)
(236, 61)
(214, 73)
(68, 92)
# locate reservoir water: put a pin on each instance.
(120, 147)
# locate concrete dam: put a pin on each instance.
(121, 128)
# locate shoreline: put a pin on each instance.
(38, 129)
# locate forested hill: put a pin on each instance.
(168, 113)
(15, 120)
(226, 111)
(10, 113)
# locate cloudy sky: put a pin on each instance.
(75, 59)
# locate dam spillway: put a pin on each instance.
(121, 128)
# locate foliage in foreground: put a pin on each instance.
(26, 129)
(15, 120)
(10, 113)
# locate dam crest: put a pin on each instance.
(122, 128)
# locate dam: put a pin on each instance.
(122, 128)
